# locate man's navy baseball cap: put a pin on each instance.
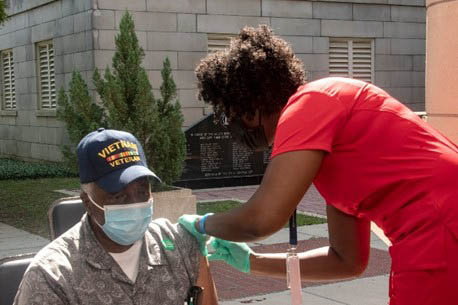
(112, 159)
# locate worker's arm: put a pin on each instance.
(287, 178)
(208, 296)
(347, 256)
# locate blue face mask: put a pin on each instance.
(126, 223)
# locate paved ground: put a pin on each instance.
(366, 291)
(238, 288)
(14, 241)
(312, 202)
(232, 284)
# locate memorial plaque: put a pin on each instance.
(214, 159)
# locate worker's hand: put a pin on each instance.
(189, 223)
(235, 254)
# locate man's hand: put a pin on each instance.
(235, 254)
(189, 223)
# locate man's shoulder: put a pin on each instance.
(164, 230)
(163, 223)
(165, 226)
(61, 251)
(169, 243)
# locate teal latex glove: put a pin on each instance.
(189, 223)
(235, 254)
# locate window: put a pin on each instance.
(46, 78)
(352, 58)
(8, 88)
(218, 42)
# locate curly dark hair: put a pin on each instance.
(258, 71)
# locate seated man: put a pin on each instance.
(116, 254)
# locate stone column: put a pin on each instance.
(442, 66)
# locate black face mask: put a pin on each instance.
(252, 138)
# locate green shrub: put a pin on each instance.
(167, 152)
(128, 104)
(15, 169)
(80, 114)
(125, 90)
(3, 15)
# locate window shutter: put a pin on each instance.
(362, 60)
(339, 59)
(47, 76)
(9, 88)
(352, 58)
(218, 42)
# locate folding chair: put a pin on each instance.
(12, 270)
(64, 214)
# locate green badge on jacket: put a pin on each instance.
(168, 244)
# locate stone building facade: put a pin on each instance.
(382, 41)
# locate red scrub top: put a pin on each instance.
(383, 163)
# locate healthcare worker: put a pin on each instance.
(369, 156)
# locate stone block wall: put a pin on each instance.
(28, 132)
(84, 32)
(178, 29)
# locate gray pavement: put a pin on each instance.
(366, 291)
(14, 241)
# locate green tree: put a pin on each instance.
(80, 113)
(3, 15)
(169, 159)
(128, 99)
(126, 92)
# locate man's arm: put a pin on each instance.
(208, 296)
(36, 290)
(196, 265)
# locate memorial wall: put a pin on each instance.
(213, 159)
